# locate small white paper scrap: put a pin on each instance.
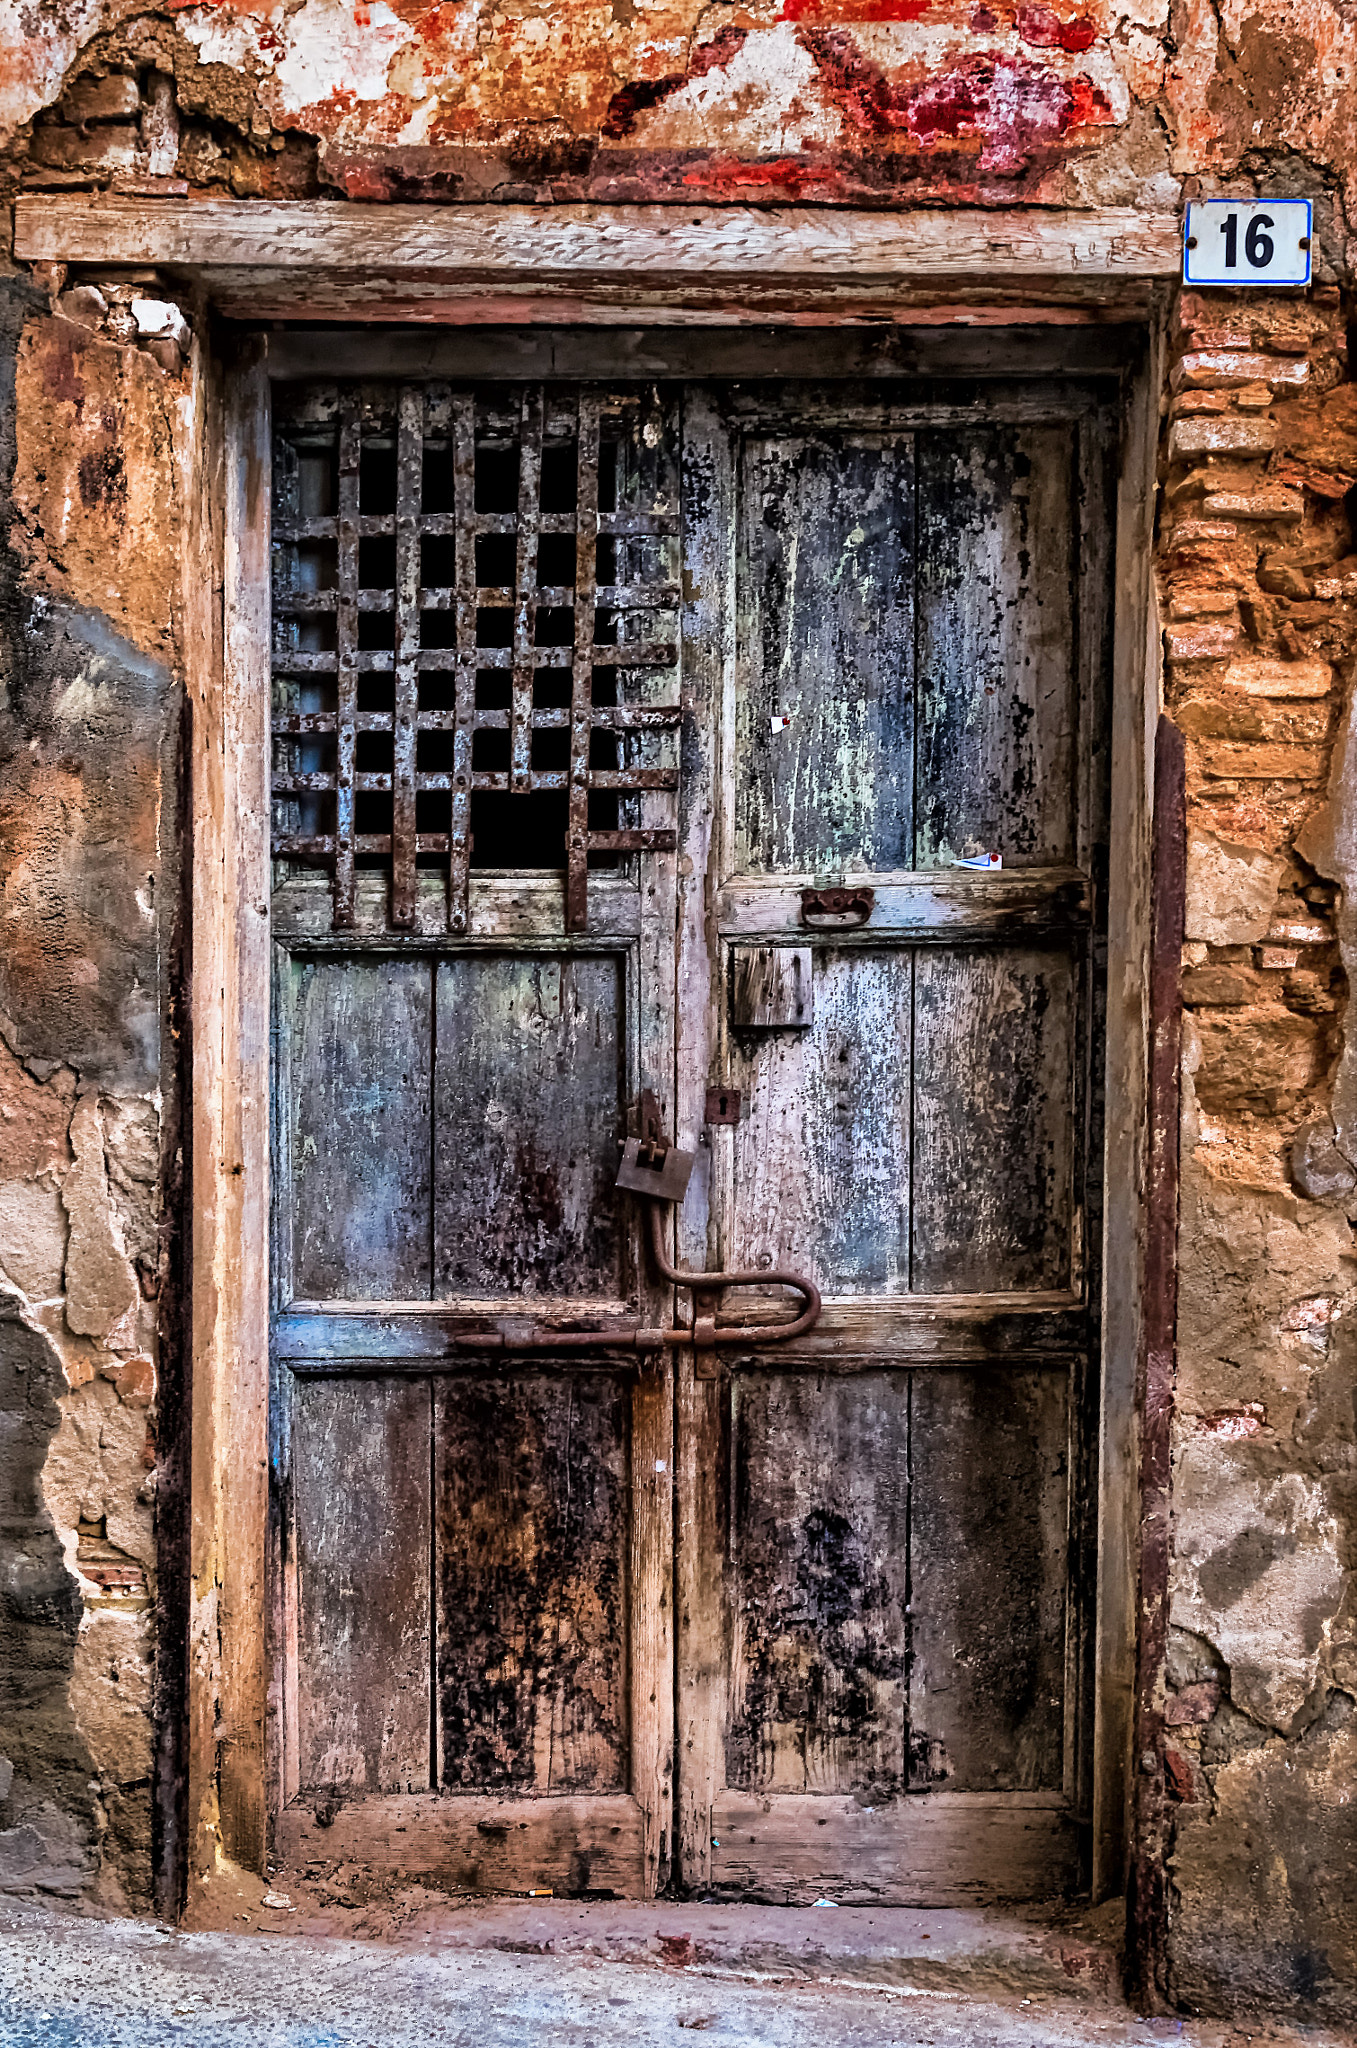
(779, 724)
(982, 860)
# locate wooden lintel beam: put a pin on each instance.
(700, 245)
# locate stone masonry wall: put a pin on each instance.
(1258, 579)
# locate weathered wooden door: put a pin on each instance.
(505, 904)
(897, 661)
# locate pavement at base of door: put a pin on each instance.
(68, 1981)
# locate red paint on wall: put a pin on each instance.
(1042, 27)
(853, 10)
(1014, 108)
(642, 93)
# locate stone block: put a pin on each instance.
(1260, 677)
(1228, 435)
(1231, 891)
(1202, 642)
(1214, 368)
(1285, 507)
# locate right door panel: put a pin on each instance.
(897, 663)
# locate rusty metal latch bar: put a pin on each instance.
(657, 1170)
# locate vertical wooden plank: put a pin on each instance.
(821, 1168)
(825, 706)
(346, 668)
(525, 594)
(997, 671)
(650, 1625)
(464, 569)
(528, 1108)
(820, 1595)
(996, 1055)
(582, 668)
(360, 1139)
(405, 720)
(360, 1478)
(531, 1507)
(989, 1531)
(230, 1165)
(708, 643)
(703, 1632)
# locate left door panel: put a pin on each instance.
(471, 1460)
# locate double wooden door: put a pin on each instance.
(743, 743)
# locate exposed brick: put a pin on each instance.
(1228, 435)
(1260, 677)
(1283, 506)
(1265, 763)
(1215, 367)
(1200, 643)
(1188, 531)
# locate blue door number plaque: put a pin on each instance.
(1247, 241)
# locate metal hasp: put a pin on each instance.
(836, 909)
(705, 1332)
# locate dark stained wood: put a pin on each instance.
(826, 625)
(528, 1114)
(532, 1537)
(998, 679)
(360, 1489)
(820, 1585)
(995, 1078)
(989, 1535)
(567, 1845)
(945, 1850)
(359, 1137)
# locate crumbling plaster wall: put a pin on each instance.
(89, 732)
(883, 102)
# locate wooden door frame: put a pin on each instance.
(954, 275)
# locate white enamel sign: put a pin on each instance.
(1247, 241)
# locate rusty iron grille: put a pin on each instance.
(475, 636)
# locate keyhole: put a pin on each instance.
(723, 1101)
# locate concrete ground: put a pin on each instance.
(511, 1974)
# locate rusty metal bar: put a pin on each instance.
(525, 609)
(404, 728)
(645, 839)
(464, 498)
(582, 668)
(346, 648)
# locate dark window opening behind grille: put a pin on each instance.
(475, 635)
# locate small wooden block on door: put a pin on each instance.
(771, 988)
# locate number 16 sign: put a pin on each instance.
(1247, 241)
